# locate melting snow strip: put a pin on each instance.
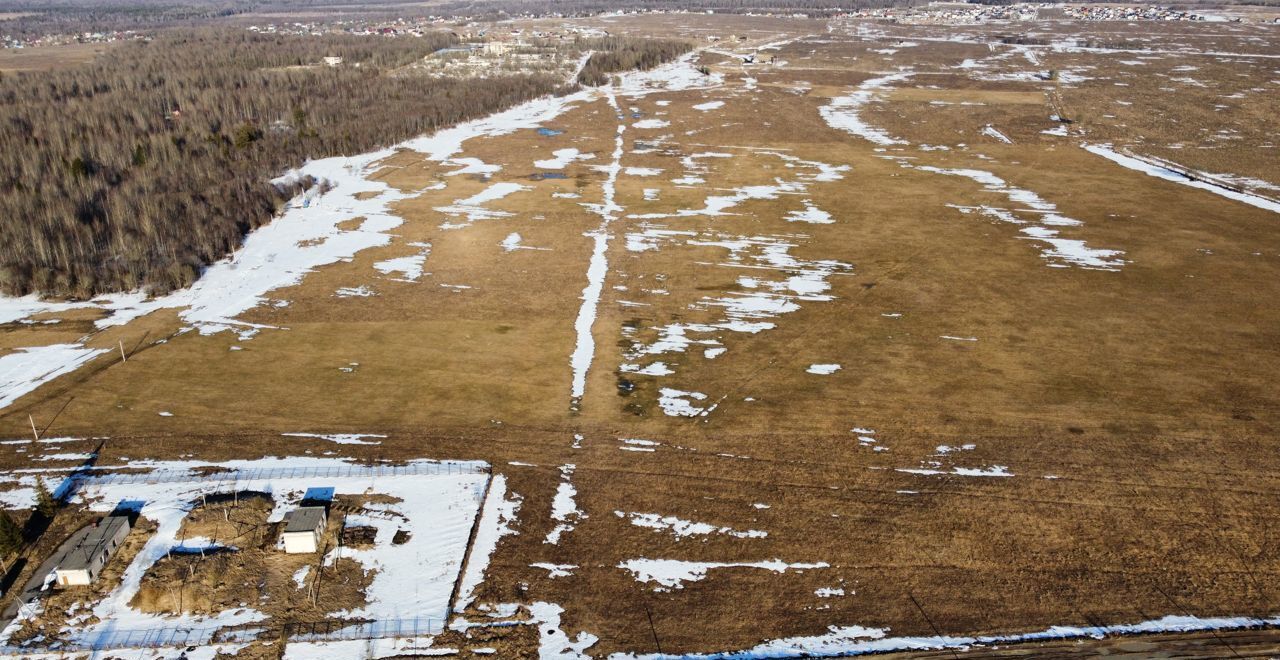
(564, 508)
(598, 268)
(860, 640)
(843, 111)
(1159, 171)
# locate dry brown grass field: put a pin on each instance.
(1013, 439)
(40, 58)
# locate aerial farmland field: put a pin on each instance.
(828, 337)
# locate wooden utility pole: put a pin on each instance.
(123, 357)
(34, 431)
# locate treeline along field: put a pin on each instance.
(138, 169)
(615, 54)
(142, 167)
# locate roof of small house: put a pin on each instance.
(304, 519)
(95, 540)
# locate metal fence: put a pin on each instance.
(255, 474)
(142, 639)
(326, 631)
(182, 637)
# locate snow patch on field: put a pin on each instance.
(28, 368)
(681, 528)
(564, 508)
(678, 403)
(1038, 216)
(366, 649)
(675, 76)
(354, 292)
(671, 574)
(409, 267)
(511, 242)
(340, 438)
(823, 369)
(709, 105)
(562, 157)
(497, 519)
(553, 643)
(778, 283)
(810, 214)
(556, 570)
(774, 281)
(472, 208)
(584, 348)
(990, 131)
(992, 471)
(842, 112)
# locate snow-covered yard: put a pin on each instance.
(436, 503)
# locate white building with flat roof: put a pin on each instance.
(303, 529)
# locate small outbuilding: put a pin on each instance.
(84, 561)
(303, 528)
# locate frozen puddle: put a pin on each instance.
(671, 574)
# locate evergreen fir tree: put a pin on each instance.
(45, 503)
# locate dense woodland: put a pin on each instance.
(140, 168)
(155, 160)
(615, 54)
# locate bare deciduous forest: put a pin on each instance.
(615, 54)
(142, 167)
